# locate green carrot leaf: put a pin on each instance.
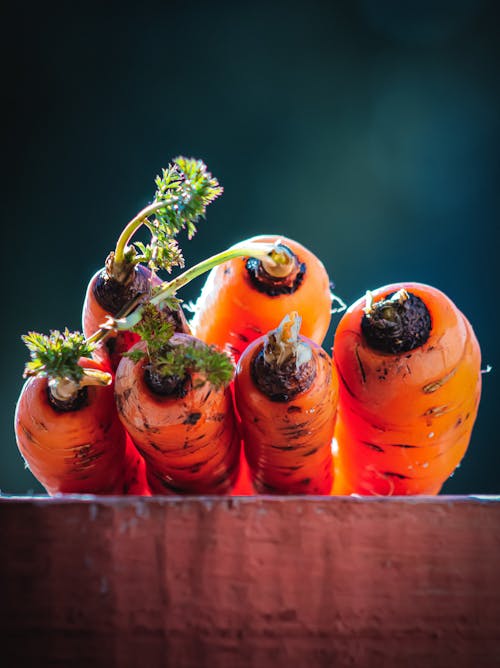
(214, 365)
(173, 358)
(185, 188)
(57, 354)
(155, 328)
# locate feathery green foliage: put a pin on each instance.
(56, 355)
(214, 365)
(155, 329)
(186, 188)
(178, 359)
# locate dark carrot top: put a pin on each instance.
(169, 363)
(397, 324)
(284, 366)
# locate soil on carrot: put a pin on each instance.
(271, 285)
(397, 326)
(171, 386)
(74, 404)
(113, 295)
(282, 382)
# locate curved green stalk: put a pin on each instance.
(131, 228)
(273, 254)
(183, 191)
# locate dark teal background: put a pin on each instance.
(368, 131)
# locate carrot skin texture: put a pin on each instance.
(190, 444)
(288, 445)
(405, 420)
(231, 312)
(74, 452)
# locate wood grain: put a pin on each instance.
(251, 582)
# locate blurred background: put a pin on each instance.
(368, 131)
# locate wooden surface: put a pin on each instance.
(250, 582)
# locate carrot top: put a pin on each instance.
(170, 357)
(396, 324)
(183, 191)
(57, 357)
(284, 366)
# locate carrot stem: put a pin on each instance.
(131, 228)
(65, 389)
(170, 288)
(259, 251)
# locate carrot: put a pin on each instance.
(410, 384)
(172, 397)
(135, 481)
(183, 192)
(66, 424)
(286, 392)
(244, 298)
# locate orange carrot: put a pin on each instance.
(246, 297)
(286, 393)
(409, 366)
(66, 424)
(172, 397)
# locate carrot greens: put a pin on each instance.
(168, 357)
(56, 355)
(183, 191)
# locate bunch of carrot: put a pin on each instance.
(244, 399)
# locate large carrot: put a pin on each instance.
(244, 298)
(409, 366)
(66, 424)
(286, 392)
(172, 396)
(183, 192)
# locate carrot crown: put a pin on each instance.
(285, 365)
(56, 357)
(283, 344)
(170, 358)
(396, 324)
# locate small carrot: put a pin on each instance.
(244, 298)
(66, 424)
(172, 397)
(286, 392)
(183, 192)
(410, 384)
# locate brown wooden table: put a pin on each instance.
(252, 582)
